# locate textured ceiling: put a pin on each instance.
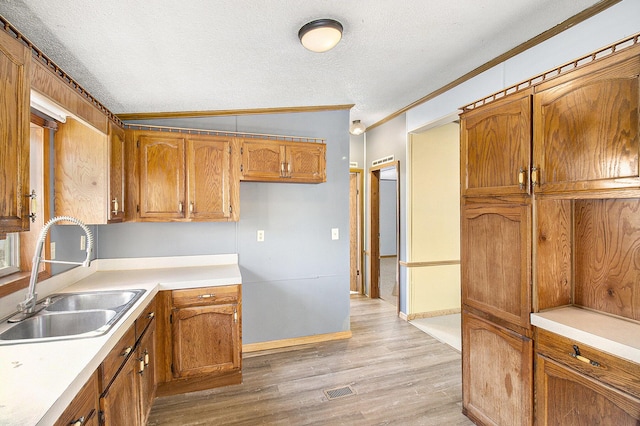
(194, 55)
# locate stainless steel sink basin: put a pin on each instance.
(69, 316)
(88, 301)
(59, 324)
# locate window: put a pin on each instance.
(9, 254)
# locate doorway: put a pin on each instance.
(384, 233)
(355, 230)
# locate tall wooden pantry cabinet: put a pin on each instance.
(550, 196)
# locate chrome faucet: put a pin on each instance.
(27, 306)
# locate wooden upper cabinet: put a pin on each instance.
(496, 147)
(162, 177)
(81, 167)
(279, 161)
(586, 126)
(117, 173)
(208, 177)
(496, 260)
(15, 61)
(183, 178)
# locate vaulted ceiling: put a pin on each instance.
(169, 56)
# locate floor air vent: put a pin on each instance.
(340, 392)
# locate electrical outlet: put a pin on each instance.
(260, 236)
(83, 242)
(53, 250)
(335, 233)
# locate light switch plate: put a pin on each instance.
(335, 233)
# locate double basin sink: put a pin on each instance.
(70, 316)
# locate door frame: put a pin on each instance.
(374, 230)
(357, 236)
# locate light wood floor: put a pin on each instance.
(400, 374)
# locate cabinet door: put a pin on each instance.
(119, 404)
(209, 179)
(162, 177)
(146, 359)
(565, 397)
(83, 410)
(496, 147)
(262, 160)
(586, 128)
(205, 340)
(15, 61)
(497, 373)
(496, 260)
(81, 172)
(305, 162)
(116, 173)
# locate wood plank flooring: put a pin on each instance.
(400, 376)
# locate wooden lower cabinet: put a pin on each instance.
(83, 410)
(497, 373)
(146, 355)
(119, 404)
(566, 397)
(202, 339)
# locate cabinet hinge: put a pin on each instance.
(101, 417)
(138, 143)
(229, 150)
(172, 371)
(241, 168)
(241, 150)
(137, 208)
(170, 318)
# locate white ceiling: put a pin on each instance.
(194, 55)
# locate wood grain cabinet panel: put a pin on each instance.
(496, 260)
(566, 397)
(586, 128)
(186, 178)
(146, 361)
(279, 161)
(496, 147)
(83, 410)
(117, 174)
(497, 373)
(120, 403)
(15, 61)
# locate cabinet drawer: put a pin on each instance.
(84, 407)
(116, 358)
(220, 295)
(606, 368)
(143, 321)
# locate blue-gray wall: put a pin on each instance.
(296, 282)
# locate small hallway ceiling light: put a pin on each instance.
(320, 35)
(357, 128)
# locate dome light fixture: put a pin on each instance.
(357, 128)
(320, 35)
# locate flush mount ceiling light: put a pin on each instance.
(320, 35)
(357, 128)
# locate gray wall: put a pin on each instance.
(296, 282)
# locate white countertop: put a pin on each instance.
(39, 380)
(616, 336)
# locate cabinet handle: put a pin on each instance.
(576, 355)
(146, 358)
(151, 315)
(206, 296)
(115, 205)
(141, 366)
(289, 169)
(34, 205)
(534, 176)
(191, 207)
(521, 178)
(180, 207)
(126, 351)
(78, 422)
(282, 169)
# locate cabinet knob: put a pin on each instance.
(78, 422)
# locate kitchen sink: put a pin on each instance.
(59, 324)
(93, 300)
(69, 316)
